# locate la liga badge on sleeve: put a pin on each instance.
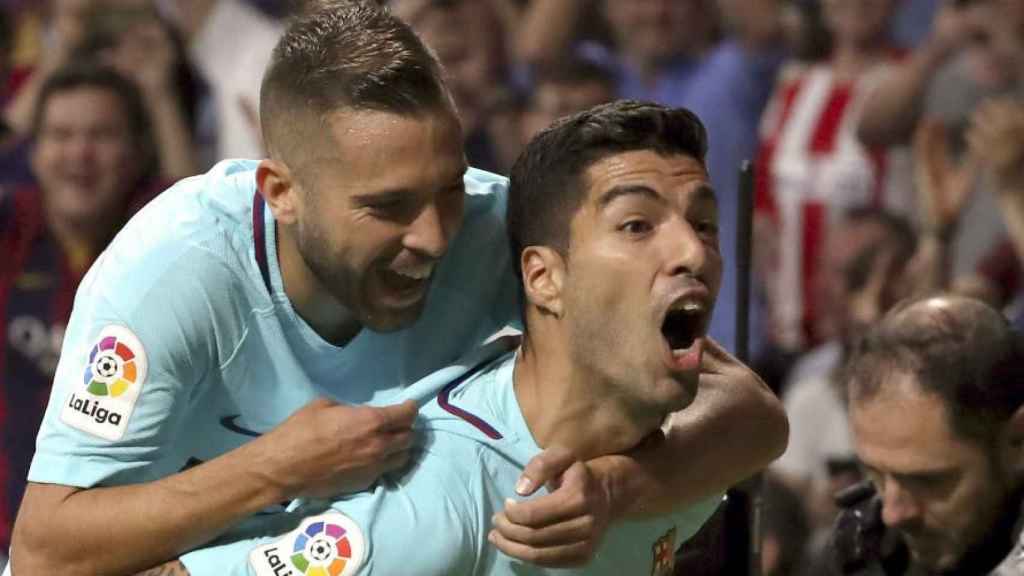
(111, 381)
(330, 544)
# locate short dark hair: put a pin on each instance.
(955, 347)
(547, 186)
(85, 73)
(347, 54)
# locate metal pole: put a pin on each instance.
(743, 515)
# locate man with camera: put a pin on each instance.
(936, 397)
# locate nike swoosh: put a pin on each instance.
(229, 423)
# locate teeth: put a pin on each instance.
(688, 306)
(416, 272)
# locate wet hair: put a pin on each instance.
(547, 184)
(957, 348)
(338, 55)
(79, 74)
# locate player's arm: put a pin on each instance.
(79, 515)
(70, 530)
(172, 568)
(735, 427)
(893, 108)
(427, 521)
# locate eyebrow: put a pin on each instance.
(401, 194)
(924, 474)
(384, 197)
(703, 192)
(617, 192)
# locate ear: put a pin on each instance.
(276, 184)
(543, 278)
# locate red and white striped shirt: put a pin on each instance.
(811, 169)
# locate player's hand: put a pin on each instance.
(562, 528)
(326, 448)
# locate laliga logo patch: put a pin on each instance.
(112, 379)
(327, 545)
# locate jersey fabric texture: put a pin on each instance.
(183, 344)
(434, 518)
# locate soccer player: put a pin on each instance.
(616, 231)
(224, 353)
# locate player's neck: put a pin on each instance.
(311, 301)
(567, 406)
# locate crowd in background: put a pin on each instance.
(887, 138)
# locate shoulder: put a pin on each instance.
(195, 236)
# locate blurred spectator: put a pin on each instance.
(230, 42)
(861, 277)
(972, 54)
(669, 51)
(92, 156)
(811, 168)
(936, 392)
(912, 22)
(469, 39)
(13, 154)
(570, 86)
(996, 143)
(130, 36)
(785, 530)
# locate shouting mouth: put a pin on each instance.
(682, 331)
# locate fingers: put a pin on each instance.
(563, 556)
(576, 529)
(568, 502)
(396, 461)
(544, 468)
(397, 417)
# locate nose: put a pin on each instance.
(429, 233)
(687, 253)
(899, 507)
(80, 147)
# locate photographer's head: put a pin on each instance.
(935, 391)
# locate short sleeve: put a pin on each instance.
(139, 341)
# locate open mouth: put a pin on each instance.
(682, 326)
(682, 329)
(404, 286)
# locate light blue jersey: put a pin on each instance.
(183, 345)
(434, 519)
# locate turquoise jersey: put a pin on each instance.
(434, 518)
(182, 344)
